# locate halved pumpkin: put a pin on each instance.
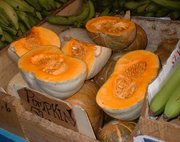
(86, 98)
(111, 31)
(93, 55)
(122, 95)
(38, 36)
(48, 70)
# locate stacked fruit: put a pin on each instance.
(167, 100)
(150, 8)
(18, 16)
(87, 12)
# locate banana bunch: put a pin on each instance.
(18, 16)
(167, 100)
(155, 8)
(79, 20)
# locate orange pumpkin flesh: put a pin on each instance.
(111, 31)
(82, 50)
(94, 56)
(126, 87)
(38, 36)
(50, 64)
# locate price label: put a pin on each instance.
(50, 108)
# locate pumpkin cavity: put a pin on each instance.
(52, 63)
(111, 31)
(93, 55)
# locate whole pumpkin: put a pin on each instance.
(116, 131)
(86, 98)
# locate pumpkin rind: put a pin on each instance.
(48, 70)
(86, 98)
(116, 131)
(111, 31)
(93, 55)
(122, 95)
(165, 48)
(38, 36)
(140, 41)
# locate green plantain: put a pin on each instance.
(159, 101)
(21, 5)
(9, 12)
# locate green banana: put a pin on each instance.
(7, 37)
(47, 4)
(162, 12)
(152, 7)
(62, 1)
(58, 4)
(35, 4)
(91, 11)
(175, 15)
(4, 20)
(24, 18)
(149, 14)
(132, 5)
(174, 5)
(172, 108)
(32, 20)
(91, 14)
(159, 101)
(9, 12)
(105, 12)
(22, 27)
(70, 20)
(20, 5)
(10, 30)
(142, 9)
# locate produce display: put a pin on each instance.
(100, 62)
(18, 16)
(167, 99)
(147, 8)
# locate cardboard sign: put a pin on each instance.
(45, 106)
(8, 114)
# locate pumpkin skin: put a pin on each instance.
(122, 95)
(140, 41)
(116, 131)
(165, 49)
(93, 55)
(38, 36)
(111, 31)
(48, 70)
(86, 98)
